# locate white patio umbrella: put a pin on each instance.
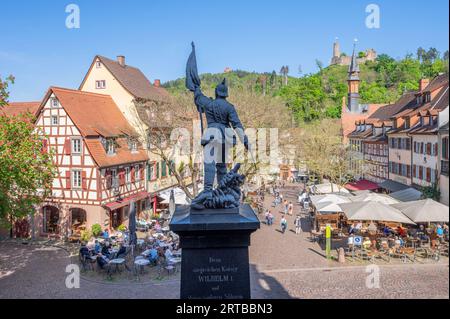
(374, 197)
(424, 211)
(332, 198)
(374, 211)
(328, 207)
(328, 188)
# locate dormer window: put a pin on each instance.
(427, 97)
(419, 100)
(407, 122)
(133, 145)
(110, 147)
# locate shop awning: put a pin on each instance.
(362, 185)
(127, 200)
(393, 186)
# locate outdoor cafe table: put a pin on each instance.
(117, 262)
(139, 265)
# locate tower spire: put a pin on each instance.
(353, 82)
(353, 69)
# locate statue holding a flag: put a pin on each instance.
(221, 116)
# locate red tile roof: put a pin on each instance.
(96, 116)
(133, 80)
(16, 108)
(93, 114)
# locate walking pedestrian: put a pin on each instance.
(270, 218)
(285, 206)
(298, 225)
(267, 216)
(290, 209)
(283, 224)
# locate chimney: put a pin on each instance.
(157, 83)
(423, 83)
(121, 60)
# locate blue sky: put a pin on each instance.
(253, 35)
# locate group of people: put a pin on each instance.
(288, 209)
(398, 236)
(102, 253)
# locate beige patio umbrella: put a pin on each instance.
(374, 197)
(374, 211)
(329, 198)
(328, 207)
(424, 211)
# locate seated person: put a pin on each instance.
(153, 255)
(122, 251)
(398, 242)
(401, 231)
(440, 232)
(84, 251)
(366, 243)
(102, 261)
(386, 230)
(97, 247)
(105, 250)
(168, 254)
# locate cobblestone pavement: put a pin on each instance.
(282, 266)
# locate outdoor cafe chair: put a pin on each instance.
(87, 262)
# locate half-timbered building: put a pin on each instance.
(100, 163)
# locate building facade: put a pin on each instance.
(100, 164)
(127, 84)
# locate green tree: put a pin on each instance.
(26, 167)
(4, 94)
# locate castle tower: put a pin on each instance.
(353, 83)
(336, 49)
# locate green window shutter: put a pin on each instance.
(157, 170)
(163, 169)
(170, 168)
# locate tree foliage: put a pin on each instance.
(319, 95)
(26, 168)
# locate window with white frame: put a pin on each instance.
(98, 64)
(133, 145)
(127, 175)
(55, 120)
(54, 102)
(76, 179)
(110, 147)
(100, 84)
(137, 172)
(76, 146)
(114, 179)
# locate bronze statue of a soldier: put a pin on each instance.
(221, 116)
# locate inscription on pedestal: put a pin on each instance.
(221, 273)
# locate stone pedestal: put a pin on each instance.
(215, 263)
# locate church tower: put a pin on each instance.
(353, 84)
